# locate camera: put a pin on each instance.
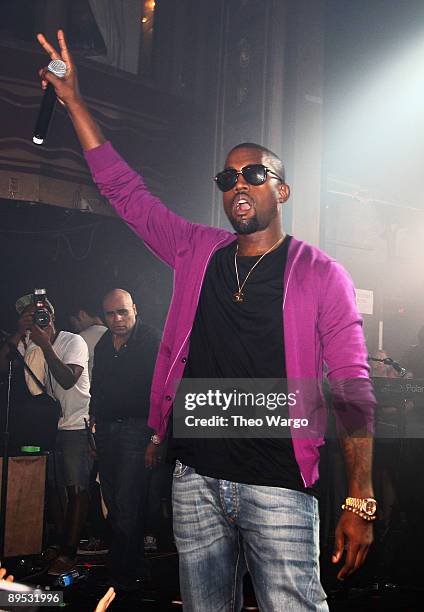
(41, 315)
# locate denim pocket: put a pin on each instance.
(180, 469)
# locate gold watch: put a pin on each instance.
(365, 507)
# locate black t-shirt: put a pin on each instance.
(241, 340)
(121, 380)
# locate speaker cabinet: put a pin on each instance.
(25, 505)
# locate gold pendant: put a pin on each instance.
(238, 297)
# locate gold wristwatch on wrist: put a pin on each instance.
(365, 507)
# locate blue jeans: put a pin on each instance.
(223, 529)
(124, 482)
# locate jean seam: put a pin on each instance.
(315, 573)
(312, 586)
(235, 501)
(233, 594)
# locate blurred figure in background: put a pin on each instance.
(414, 358)
(86, 322)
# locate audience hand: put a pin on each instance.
(106, 600)
(3, 573)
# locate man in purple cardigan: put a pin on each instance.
(254, 304)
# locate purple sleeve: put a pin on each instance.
(340, 326)
(345, 352)
(160, 228)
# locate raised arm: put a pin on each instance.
(161, 229)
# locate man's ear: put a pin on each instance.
(284, 193)
(135, 309)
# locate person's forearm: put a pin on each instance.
(86, 128)
(358, 459)
(59, 370)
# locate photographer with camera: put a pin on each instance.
(65, 375)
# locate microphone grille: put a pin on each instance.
(57, 67)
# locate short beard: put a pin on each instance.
(250, 226)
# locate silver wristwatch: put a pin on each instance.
(155, 439)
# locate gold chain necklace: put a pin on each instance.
(238, 296)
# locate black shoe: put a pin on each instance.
(93, 546)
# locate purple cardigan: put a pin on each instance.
(321, 320)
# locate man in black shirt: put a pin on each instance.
(236, 353)
(124, 360)
(224, 527)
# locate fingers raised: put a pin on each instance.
(106, 600)
(63, 47)
(48, 47)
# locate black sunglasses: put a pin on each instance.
(254, 174)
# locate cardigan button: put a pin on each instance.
(168, 397)
(184, 359)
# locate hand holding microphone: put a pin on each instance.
(48, 103)
(58, 80)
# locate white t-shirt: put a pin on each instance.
(71, 348)
(92, 335)
(34, 358)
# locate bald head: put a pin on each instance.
(115, 293)
(120, 312)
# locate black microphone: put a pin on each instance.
(58, 68)
(395, 365)
(391, 362)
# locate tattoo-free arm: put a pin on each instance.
(66, 374)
